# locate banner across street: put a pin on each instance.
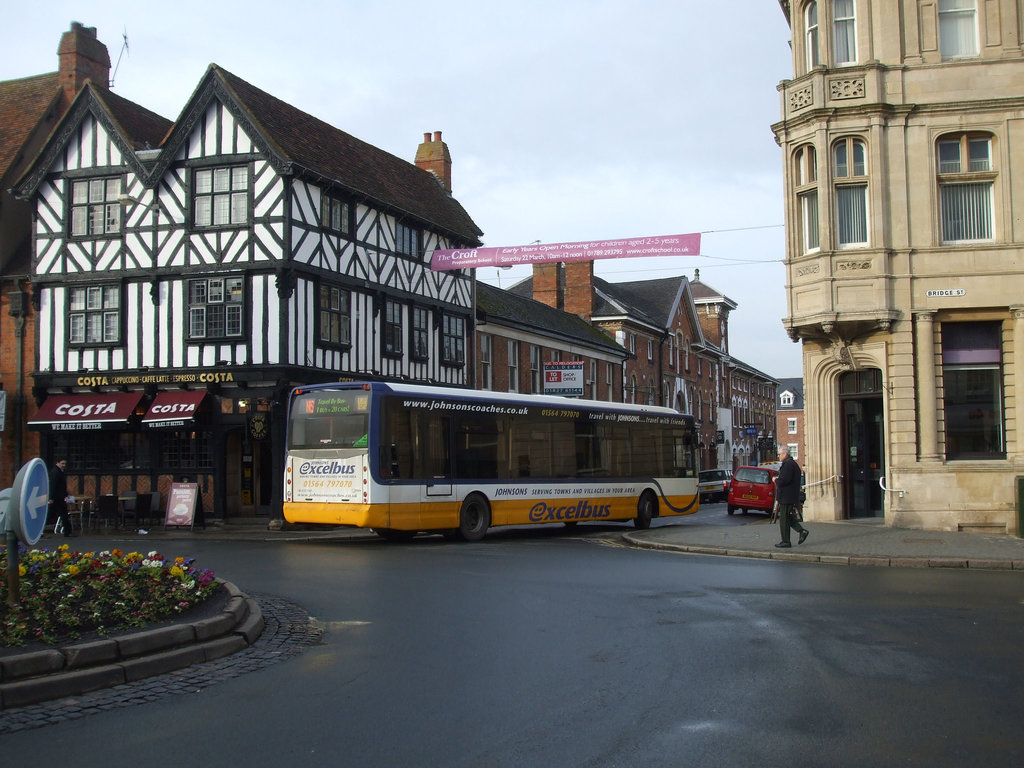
(540, 253)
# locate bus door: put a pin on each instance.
(432, 441)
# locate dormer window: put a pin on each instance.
(786, 399)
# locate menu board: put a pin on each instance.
(181, 504)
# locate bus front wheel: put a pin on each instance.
(645, 511)
(474, 517)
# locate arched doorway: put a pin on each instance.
(863, 441)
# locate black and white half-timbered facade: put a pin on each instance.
(187, 275)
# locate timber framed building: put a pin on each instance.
(901, 134)
(185, 276)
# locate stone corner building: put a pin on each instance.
(904, 191)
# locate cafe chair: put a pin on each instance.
(128, 503)
(107, 511)
(143, 509)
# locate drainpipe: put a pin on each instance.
(17, 310)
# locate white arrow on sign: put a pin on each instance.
(36, 503)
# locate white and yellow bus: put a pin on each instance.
(403, 459)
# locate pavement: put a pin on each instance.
(65, 676)
(856, 543)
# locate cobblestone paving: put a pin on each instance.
(288, 632)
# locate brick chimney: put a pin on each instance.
(432, 155)
(579, 288)
(565, 286)
(547, 284)
(82, 57)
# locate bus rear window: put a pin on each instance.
(329, 419)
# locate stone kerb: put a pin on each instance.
(35, 676)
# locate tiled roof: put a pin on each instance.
(650, 301)
(142, 128)
(23, 104)
(504, 306)
(326, 151)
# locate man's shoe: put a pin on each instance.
(803, 537)
(783, 545)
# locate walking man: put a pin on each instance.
(787, 495)
(58, 495)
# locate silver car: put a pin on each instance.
(713, 485)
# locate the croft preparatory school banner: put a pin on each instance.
(539, 253)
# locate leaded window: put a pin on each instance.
(334, 314)
(94, 315)
(95, 207)
(420, 333)
(221, 196)
(215, 307)
(453, 338)
(392, 328)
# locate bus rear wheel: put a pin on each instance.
(645, 511)
(474, 517)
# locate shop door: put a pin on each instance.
(863, 444)
(256, 477)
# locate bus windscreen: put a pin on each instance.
(329, 419)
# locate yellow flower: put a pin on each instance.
(73, 570)
(22, 570)
(177, 572)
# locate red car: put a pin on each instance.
(752, 488)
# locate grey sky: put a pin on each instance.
(566, 121)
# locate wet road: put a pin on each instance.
(542, 647)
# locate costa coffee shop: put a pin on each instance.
(130, 433)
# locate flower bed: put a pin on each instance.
(65, 594)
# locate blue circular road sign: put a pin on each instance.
(30, 495)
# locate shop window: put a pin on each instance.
(972, 390)
(186, 451)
